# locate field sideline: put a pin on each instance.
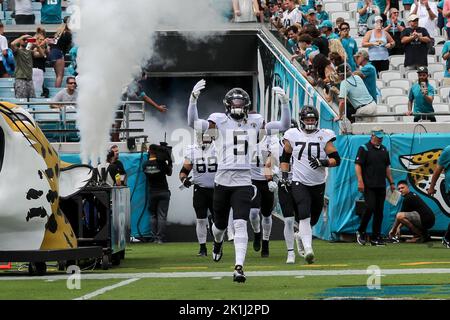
(172, 271)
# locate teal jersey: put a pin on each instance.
(420, 104)
(51, 12)
(444, 161)
(351, 48)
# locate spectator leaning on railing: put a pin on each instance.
(23, 53)
(68, 94)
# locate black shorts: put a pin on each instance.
(238, 198)
(202, 201)
(309, 200)
(2, 68)
(287, 203)
(264, 198)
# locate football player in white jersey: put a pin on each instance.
(287, 203)
(201, 157)
(312, 150)
(264, 200)
(237, 132)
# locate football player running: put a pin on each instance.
(201, 158)
(312, 150)
(237, 136)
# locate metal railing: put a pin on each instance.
(132, 112)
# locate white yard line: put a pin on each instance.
(280, 273)
(105, 289)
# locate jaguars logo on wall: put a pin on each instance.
(420, 167)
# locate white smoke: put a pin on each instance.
(116, 36)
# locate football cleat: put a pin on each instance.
(203, 251)
(309, 256)
(361, 238)
(300, 248)
(217, 251)
(446, 243)
(290, 257)
(265, 249)
(257, 241)
(377, 242)
(238, 274)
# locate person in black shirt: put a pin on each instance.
(158, 165)
(119, 165)
(414, 214)
(416, 42)
(372, 167)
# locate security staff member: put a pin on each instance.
(372, 167)
(158, 165)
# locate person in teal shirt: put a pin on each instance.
(326, 28)
(349, 44)
(443, 164)
(446, 57)
(422, 93)
(367, 72)
(321, 14)
(407, 4)
(51, 12)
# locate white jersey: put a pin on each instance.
(234, 146)
(292, 17)
(268, 146)
(204, 164)
(304, 147)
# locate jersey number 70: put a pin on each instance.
(311, 145)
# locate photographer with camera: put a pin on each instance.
(156, 168)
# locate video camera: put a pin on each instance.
(162, 151)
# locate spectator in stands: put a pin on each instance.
(311, 18)
(325, 71)
(59, 47)
(276, 14)
(51, 12)
(373, 168)
(40, 53)
(108, 171)
(4, 52)
(384, 6)
(414, 215)
(338, 22)
(415, 39)
(24, 12)
(245, 10)
(320, 42)
(395, 27)
(427, 13)
(321, 15)
(359, 100)
(422, 93)
(291, 16)
(305, 49)
(365, 8)
(68, 94)
(349, 44)
(326, 27)
(367, 72)
(446, 14)
(292, 35)
(23, 53)
(446, 57)
(407, 4)
(73, 53)
(335, 46)
(378, 41)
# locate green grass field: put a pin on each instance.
(174, 262)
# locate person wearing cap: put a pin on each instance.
(378, 42)
(422, 93)
(415, 39)
(326, 27)
(372, 166)
(394, 26)
(360, 102)
(367, 72)
(311, 18)
(365, 8)
(427, 12)
(321, 14)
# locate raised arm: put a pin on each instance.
(285, 121)
(193, 120)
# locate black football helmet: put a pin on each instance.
(309, 112)
(237, 103)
